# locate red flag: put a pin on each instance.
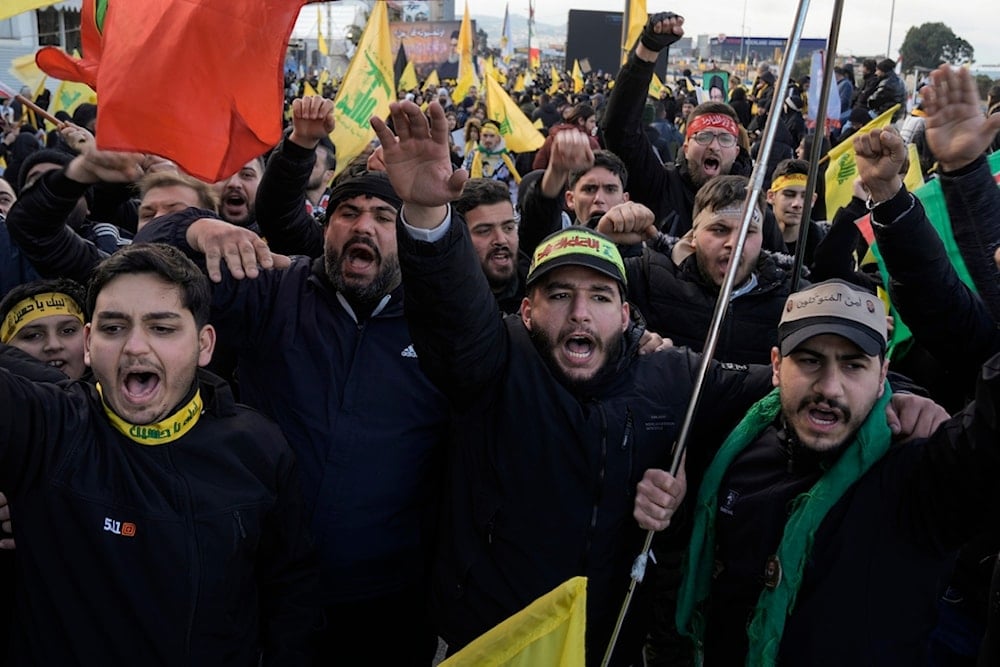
(196, 81)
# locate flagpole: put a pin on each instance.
(892, 15)
(722, 303)
(626, 22)
(817, 144)
(39, 111)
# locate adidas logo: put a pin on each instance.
(409, 352)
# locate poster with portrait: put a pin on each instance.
(715, 84)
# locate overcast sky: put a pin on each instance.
(863, 31)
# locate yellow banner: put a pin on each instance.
(636, 21)
(549, 631)
(518, 133)
(843, 168)
(367, 89)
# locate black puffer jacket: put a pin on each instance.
(677, 302)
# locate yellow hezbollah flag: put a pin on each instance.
(843, 168)
(433, 80)
(466, 71)
(519, 83)
(10, 8)
(577, 77)
(69, 95)
(518, 133)
(548, 632)
(636, 22)
(655, 87)
(308, 90)
(24, 69)
(554, 75)
(366, 91)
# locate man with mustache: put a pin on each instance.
(558, 419)
(493, 227)
(323, 349)
(238, 193)
(817, 539)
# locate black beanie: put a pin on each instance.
(369, 184)
(45, 155)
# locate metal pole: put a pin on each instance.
(892, 15)
(722, 304)
(817, 145)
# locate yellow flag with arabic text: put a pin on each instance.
(367, 89)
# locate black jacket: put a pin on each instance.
(542, 477)
(678, 303)
(667, 190)
(367, 426)
(193, 552)
(889, 90)
(881, 556)
(37, 223)
(281, 202)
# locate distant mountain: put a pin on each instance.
(546, 34)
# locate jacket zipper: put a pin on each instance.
(195, 552)
(625, 448)
(599, 486)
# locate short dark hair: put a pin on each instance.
(164, 261)
(331, 152)
(722, 191)
(886, 65)
(607, 160)
(791, 166)
(70, 288)
(480, 192)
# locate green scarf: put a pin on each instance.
(774, 605)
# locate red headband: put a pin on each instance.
(710, 121)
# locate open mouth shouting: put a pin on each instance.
(235, 205)
(579, 349)
(360, 257)
(711, 166)
(139, 386)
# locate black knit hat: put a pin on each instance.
(43, 156)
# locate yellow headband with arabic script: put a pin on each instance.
(33, 308)
(788, 181)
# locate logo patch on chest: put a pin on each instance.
(729, 502)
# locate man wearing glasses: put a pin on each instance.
(711, 139)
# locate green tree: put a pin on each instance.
(931, 44)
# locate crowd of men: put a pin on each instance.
(292, 419)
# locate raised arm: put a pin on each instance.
(622, 122)
(959, 135)
(453, 317)
(934, 302)
(37, 221)
(281, 195)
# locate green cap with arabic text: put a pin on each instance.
(577, 246)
